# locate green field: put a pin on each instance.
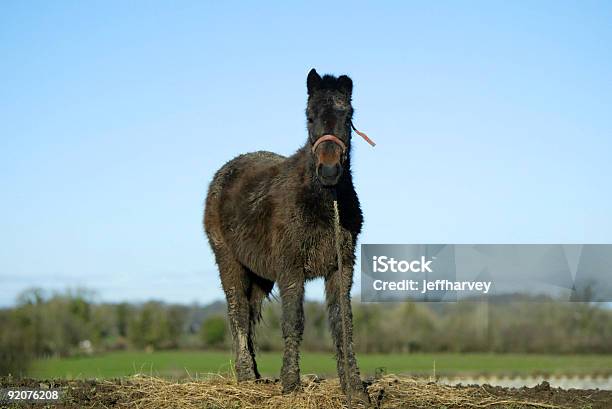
(179, 364)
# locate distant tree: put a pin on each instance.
(16, 350)
(214, 331)
(176, 317)
(142, 328)
(269, 336)
(123, 318)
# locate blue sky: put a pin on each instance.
(493, 123)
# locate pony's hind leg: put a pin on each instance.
(237, 285)
(260, 289)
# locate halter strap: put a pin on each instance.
(363, 135)
(329, 137)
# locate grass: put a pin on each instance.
(180, 364)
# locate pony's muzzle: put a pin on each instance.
(329, 151)
(329, 174)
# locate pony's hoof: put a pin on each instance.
(359, 395)
(292, 387)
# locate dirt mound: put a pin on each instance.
(388, 392)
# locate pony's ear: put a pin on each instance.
(313, 82)
(345, 84)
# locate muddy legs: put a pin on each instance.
(244, 294)
(335, 296)
(292, 296)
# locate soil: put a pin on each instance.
(387, 392)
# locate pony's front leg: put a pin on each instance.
(339, 310)
(292, 298)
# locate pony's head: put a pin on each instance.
(329, 114)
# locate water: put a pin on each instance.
(565, 382)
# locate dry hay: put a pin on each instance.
(219, 392)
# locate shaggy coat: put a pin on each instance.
(270, 219)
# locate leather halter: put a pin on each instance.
(331, 138)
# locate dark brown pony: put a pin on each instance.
(270, 219)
